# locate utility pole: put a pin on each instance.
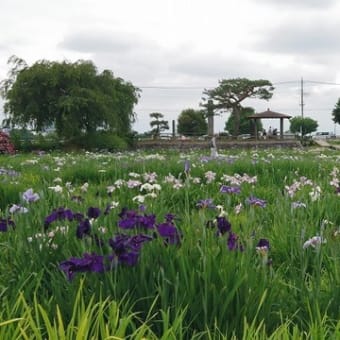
(302, 103)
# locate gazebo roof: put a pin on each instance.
(269, 114)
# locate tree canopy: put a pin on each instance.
(158, 124)
(246, 125)
(305, 125)
(230, 93)
(336, 112)
(192, 123)
(71, 97)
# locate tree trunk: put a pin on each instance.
(236, 113)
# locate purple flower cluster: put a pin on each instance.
(88, 263)
(5, 223)
(84, 226)
(168, 230)
(125, 248)
(224, 227)
(130, 219)
(61, 214)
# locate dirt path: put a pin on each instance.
(323, 143)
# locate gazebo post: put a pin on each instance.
(281, 128)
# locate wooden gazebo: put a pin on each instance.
(269, 115)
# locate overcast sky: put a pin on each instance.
(173, 49)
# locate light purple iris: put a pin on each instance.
(206, 203)
(187, 166)
(30, 196)
(298, 204)
(226, 189)
(256, 202)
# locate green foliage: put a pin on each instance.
(192, 123)
(198, 289)
(230, 93)
(71, 97)
(158, 124)
(336, 112)
(246, 125)
(99, 140)
(21, 139)
(305, 125)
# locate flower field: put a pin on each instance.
(170, 246)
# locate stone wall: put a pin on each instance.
(221, 144)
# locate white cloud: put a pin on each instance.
(187, 43)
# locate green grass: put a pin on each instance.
(196, 290)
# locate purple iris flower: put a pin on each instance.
(30, 196)
(130, 219)
(206, 203)
(252, 200)
(169, 233)
(127, 248)
(84, 228)
(59, 214)
(122, 243)
(263, 243)
(225, 189)
(5, 223)
(78, 216)
(93, 212)
(233, 242)
(223, 225)
(128, 259)
(88, 263)
(170, 218)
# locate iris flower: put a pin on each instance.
(5, 223)
(263, 246)
(84, 228)
(18, 209)
(93, 212)
(206, 203)
(314, 242)
(59, 214)
(87, 263)
(223, 225)
(127, 248)
(233, 242)
(169, 233)
(256, 202)
(30, 196)
(225, 189)
(130, 219)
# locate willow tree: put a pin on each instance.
(229, 95)
(71, 97)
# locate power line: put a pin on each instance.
(188, 87)
(322, 82)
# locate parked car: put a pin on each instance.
(324, 135)
(244, 136)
